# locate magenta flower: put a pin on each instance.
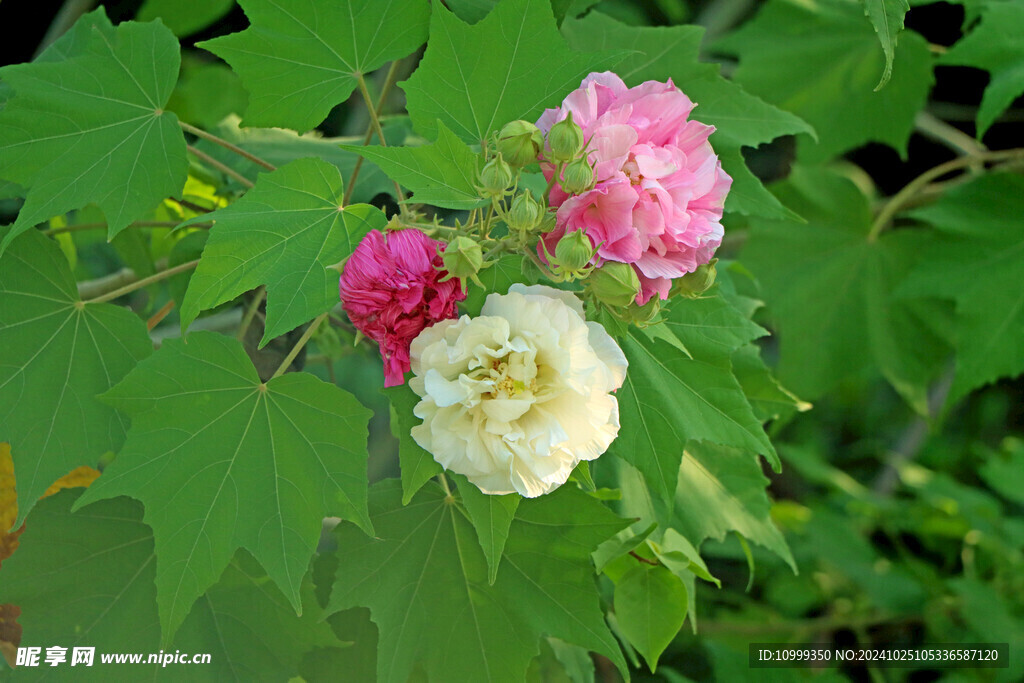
(391, 290)
(660, 188)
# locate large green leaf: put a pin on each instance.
(739, 117)
(511, 65)
(994, 45)
(491, 517)
(650, 606)
(721, 490)
(670, 398)
(417, 465)
(223, 461)
(284, 233)
(821, 61)
(424, 578)
(120, 150)
(300, 59)
(58, 354)
(185, 17)
(977, 260)
(830, 289)
(887, 18)
(441, 174)
(86, 580)
(472, 11)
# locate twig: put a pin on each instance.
(286, 363)
(144, 282)
(155, 319)
(375, 123)
(250, 312)
(952, 137)
(227, 170)
(66, 17)
(389, 82)
(200, 133)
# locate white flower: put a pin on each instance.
(516, 397)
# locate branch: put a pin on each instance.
(226, 170)
(200, 133)
(144, 282)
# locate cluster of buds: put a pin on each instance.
(567, 151)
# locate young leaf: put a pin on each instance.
(81, 578)
(650, 606)
(58, 354)
(209, 440)
(830, 290)
(300, 59)
(120, 150)
(977, 260)
(284, 233)
(418, 466)
(821, 62)
(440, 174)
(887, 18)
(994, 45)
(670, 398)
(509, 66)
(721, 490)
(424, 579)
(739, 117)
(491, 517)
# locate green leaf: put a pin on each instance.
(424, 579)
(1004, 472)
(511, 65)
(507, 270)
(491, 517)
(223, 461)
(976, 260)
(120, 150)
(284, 233)
(739, 117)
(769, 399)
(58, 354)
(887, 18)
(669, 398)
(185, 17)
(86, 580)
(821, 62)
(418, 466)
(830, 291)
(623, 542)
(440, 174)
(994, 45)
(650, 606)
(721, 490)
(472, 11)
(300, 59)
(206, 94)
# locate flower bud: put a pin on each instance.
(495, 178)
(565, 139)
(615, 284)
(696, 283)
(578, 176)
(520, 142)
(525, 214)
(638, 315)
(462, 258)
(574, 251)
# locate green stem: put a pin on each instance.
(299, 344)
(543, 269)
(94, 226)
(200, 133)
(226, 170)
(375, 123)
(388, 84)
(444, 482)
(893, 206)
(250, 312)
(144, 282)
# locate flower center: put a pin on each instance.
(632, 170)
(507, 375)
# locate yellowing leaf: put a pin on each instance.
(78, 477)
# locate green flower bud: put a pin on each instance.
(520, 142)
(462, 258)
(565, 139)
(525, 214)
(573, 252)
(615, 284)
(696, 283)
(638, 315)
(495, 178)
(578, 176)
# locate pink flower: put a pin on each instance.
(660, 188)
(391, 291)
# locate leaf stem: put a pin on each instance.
(200, 133)
(155, 319)
(144, 282)
(375, 124)
(250, 311)
(94, 226)
(444, 483)
(286, 363)
(226, 170)
(898, 200)
(389, 82)
(951, 136)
